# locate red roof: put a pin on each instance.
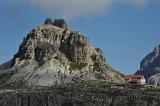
(133, 77)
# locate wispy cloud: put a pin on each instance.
(140, 3)
(73, 8)
(76, 8)
(59, 8)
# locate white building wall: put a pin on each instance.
(141, 81)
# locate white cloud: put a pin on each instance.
(76, 8)
(73, 8)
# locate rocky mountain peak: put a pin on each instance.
(150, 65)
(152, 59)
(157, 50)
(53, 54)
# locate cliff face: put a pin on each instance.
(49, 41)
(150, 66)
(54, 54)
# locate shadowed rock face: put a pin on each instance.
(52, 55)
(48, 21)
(44, 52)
(60, 23)
(150, 66)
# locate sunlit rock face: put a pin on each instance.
(150, 67)
(55, 54)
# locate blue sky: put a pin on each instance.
(126, 31)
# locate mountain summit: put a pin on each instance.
(55, 54)
(150, 66)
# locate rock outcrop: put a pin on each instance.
(150, 66)
(54, 54)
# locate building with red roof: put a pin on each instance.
(135, 79)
